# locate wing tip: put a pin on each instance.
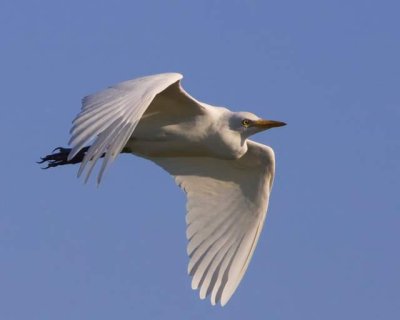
(172, 76)
(226, 296)
(178, 75)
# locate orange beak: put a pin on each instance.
(267, 124)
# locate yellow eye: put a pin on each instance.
(245, 123)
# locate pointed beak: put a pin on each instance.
(267, 124)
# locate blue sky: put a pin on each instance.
(330, 246)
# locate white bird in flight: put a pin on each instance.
(227, 177)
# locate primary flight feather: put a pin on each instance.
(227, 177)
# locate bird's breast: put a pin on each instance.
(226, 147)
(197, 137)
(167, 144)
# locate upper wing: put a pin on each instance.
(227, 204)
(109, 117)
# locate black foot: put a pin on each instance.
(60, 157)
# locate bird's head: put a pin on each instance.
(247, 123)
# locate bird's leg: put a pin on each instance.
(59, 157)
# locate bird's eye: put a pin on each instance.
(245, 123)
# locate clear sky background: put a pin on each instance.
(330, 246)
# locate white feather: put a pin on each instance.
(227, 192)
(229, 214)
(124, 103)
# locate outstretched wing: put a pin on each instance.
(109, 117)
(227, 202)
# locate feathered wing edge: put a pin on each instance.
(110, 116)
(226, 210)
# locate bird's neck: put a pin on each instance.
(223, 141)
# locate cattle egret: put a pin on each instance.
(227, 177)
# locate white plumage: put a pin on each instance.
(226, 176)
